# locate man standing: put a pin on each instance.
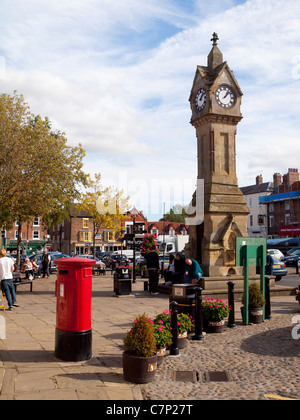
(6, 276)
(269, 265)
(45, 264)
(152, 261)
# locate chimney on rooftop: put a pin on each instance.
(259, 179)
(277, 179)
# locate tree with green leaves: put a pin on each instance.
(40, 174)
(176, 214)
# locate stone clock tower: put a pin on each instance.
(215, 103)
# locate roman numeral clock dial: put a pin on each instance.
(225, 96)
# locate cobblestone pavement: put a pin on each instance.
(260, 359)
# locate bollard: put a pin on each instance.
(231, 318)
(174, 350)
(198, 318)
(267, 297)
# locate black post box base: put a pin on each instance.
(73, 346)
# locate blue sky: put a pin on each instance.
(116, 77)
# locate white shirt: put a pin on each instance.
(172, 267)
(6, 268)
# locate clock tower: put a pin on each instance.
(215, 103)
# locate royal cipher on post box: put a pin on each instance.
(73, 290)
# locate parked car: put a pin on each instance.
(140, 260)
(53, 256)
(279, 269)
(117, 260)
(165, 260)
(292, 259)
(276, 253)
(99, 263)
(292, 250)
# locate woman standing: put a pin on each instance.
(6, 276)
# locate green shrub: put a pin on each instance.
(256, 297)
(140, 339)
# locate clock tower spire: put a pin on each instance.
(215, 103)
(215, 57)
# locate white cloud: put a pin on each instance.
(86, 69)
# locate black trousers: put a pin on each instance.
(153, 280)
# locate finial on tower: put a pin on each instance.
(215, 39)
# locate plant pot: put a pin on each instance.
(139, 370)
(181, 341)
(255, 315)
(213, 326)
(144, 274)
(160, 356)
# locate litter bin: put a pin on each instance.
(122, 281)
(73, 290)
(184, 295)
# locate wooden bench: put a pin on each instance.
(18, 283)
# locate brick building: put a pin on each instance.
(283, 206)
(257, 224)
(33, 234)
(75, 236)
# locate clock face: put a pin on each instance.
(201, 99)
(225, 96)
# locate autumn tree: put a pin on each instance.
(40, 175)
(105, 205)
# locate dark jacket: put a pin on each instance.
(152, 260)
(179, 265)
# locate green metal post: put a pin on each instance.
(246, 284)
(262, 260)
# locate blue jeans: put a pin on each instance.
(9, 291)
(187, 280)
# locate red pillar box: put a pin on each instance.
(73, 335)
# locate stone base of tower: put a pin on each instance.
(213, 284)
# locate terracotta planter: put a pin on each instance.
(160, 356)
(214, 326)
(139, 370)
(255, 315)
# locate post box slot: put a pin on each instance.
(63, 272)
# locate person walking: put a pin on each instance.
(193, 271)
(6, 276)
(152, 261)
(45, 264)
